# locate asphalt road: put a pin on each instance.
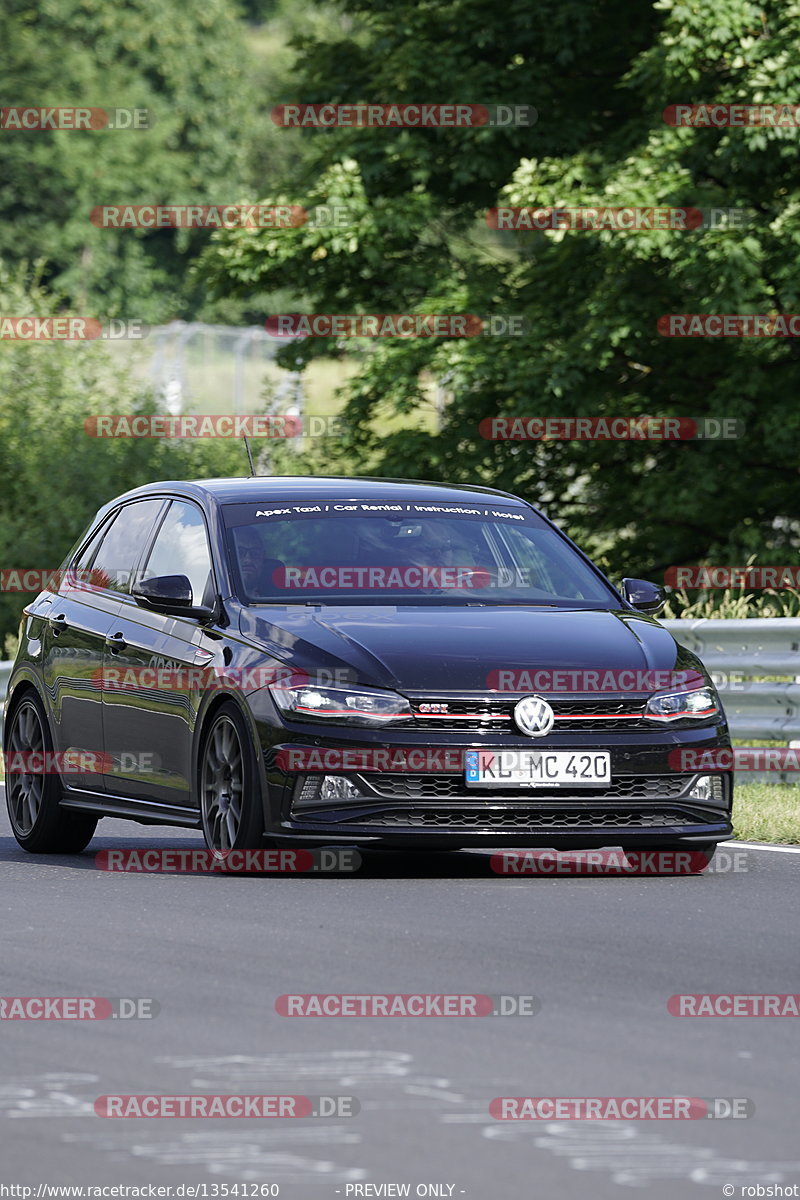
(602, 955)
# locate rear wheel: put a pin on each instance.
(230, 801)
(33, 795)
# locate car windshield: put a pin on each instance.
(359, 551)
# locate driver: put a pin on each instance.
(438, 545)
(257, 570)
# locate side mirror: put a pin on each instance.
(645, 596)
(170, 594)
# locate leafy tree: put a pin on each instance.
(418, 241)
(186, 63)
(54, 476)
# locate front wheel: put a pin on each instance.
(33, 789)
(230, 800)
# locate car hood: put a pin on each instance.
(456, 648)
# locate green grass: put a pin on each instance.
(767, 812)
(732, 603)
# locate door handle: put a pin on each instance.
(116, 642)
(58, 624)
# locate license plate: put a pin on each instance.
(537, 768)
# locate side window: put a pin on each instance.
(81, 561)
(122, 544)
(181, 548)
(78, 574)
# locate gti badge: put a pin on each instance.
(534, 716)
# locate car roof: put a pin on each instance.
(264, 487)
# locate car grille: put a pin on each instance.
(434, 787)
(589, 715)
(495, 819)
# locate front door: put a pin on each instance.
(77, 620)
(153, 668)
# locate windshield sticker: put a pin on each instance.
(371, 508)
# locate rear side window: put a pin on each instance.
(181, 548)
(122, 545)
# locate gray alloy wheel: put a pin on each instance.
(38, 821)
(25, 789)
(229, 801)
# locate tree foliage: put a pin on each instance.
(183, 61)
(418, 242)
(54, 476)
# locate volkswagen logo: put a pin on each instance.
(534, 716)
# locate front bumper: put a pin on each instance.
(648, 803)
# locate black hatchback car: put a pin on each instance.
(355, 661)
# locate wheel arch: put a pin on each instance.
(204, 719)
(25, 682)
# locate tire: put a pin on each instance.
(38, 821)
(700, 854)
(230, 795)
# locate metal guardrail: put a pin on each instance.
(738, 654)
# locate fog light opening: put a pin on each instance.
(706, 787)
(325, 789)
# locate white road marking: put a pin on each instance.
(765, 846)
